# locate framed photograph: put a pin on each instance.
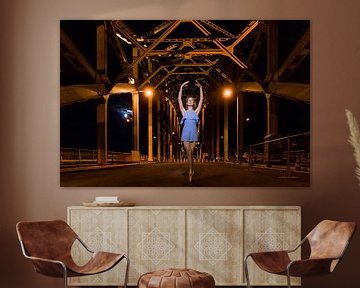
(185, 103)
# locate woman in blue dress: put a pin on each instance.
(190, 114)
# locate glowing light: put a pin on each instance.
(123, 38)
(128, 120)
(149, 92)
(228, 92)
(248, 119)
(126, 115)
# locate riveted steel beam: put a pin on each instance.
(194, 64)
(166, 77)
(159, 40)
(296, 56)
(115, 42)
(260, 38)
(191, 73)
(246, 31)
(65, 40)
(195, 52)
(230, 54)
(172, 47)
(150, 48)
(127, 32)
(157, 29)
(153, 74)
(218, 28)
(180, 40)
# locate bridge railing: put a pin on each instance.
(290, 153)
(75, 156)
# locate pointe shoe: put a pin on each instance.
(191, 173)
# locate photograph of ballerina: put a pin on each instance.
(185, 103)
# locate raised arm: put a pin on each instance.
(198, 108)
(181, 105)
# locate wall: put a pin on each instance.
(29, 119)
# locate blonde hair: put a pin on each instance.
(193, 97)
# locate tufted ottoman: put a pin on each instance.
(176, 278)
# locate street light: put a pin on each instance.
(149, 92)
(228, 92)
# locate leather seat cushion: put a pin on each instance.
(176, 278)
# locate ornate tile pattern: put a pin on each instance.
(214, 244)
(101, 230)
(269, 241)
(156, 246)
(270, 230)
(211, 239)
(156, 240)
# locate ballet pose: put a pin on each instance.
(190, 118)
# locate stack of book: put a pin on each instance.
(106, 199)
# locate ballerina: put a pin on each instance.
(189, 134)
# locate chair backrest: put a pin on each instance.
(46, 239)
(329, 239)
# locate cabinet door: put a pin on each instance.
(214, 244)
(269, 230)
(101, 230)
(156, 240)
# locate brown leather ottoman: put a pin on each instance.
(176, 278)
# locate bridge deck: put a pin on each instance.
(175, 175)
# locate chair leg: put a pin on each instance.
(246, 272)
(65, 275)
(127, 271)
(288, 278)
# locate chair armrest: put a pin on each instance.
(84, 245)
(298, 246)
(308, 267)
(271, 261)
(268, 253)
(47, 260)
(282, 251)
(48, 267)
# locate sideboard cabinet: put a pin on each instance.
(211, 239)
